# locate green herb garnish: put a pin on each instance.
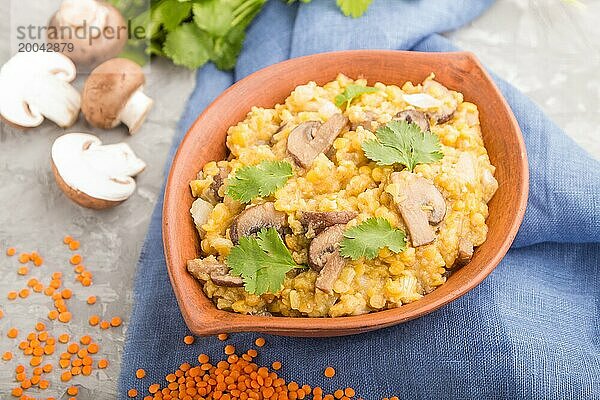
(353, 8)
(366, 239)
(261, 261)
(258, 180)
(351, 92)
(399, 142)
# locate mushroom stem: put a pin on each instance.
(135, 111)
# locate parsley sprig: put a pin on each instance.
(366, 239)
(350, 92)
(399, 142)
(261, 180)
(261, 261)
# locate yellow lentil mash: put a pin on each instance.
(344, 179)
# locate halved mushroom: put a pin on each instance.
(414, 117)
(200, 211)
(36, 85)
(319, 220)
(207, 268)
(105, 31)
(324, 256)
(94, 175)
(311, 138)
(420, 203)
(253, 219)
(113, 93)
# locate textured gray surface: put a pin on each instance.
(546, 48)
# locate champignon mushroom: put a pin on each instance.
(420, 203)
(449, 104)
(113, 94)
(309, 139)
(210, 268)
(94, 175)
(253, 219)
(104, 31)
(414, 117)
(324, 256)
(212, 194)
(200, 211)
(316, 221)
(36, 85)
(465, 252)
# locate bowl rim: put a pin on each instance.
(218, 321)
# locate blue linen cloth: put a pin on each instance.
(530, 330)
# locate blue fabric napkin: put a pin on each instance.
(530, 330)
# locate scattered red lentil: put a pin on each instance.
(11, 251)
(72, 391)
(132, 393)
(91, 300)
(7, 356)
(74, 245)
(188, 339)
(94, 320)
(115, 321)
(329, 372)
(140, 373)
(12, 333)
(103, 363)
(260, 342)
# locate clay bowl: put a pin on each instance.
(205, 142)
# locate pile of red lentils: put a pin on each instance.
(236, 376)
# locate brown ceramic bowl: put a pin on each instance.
(205, 142)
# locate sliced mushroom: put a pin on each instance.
(446, 110)
(253, 219)
(309, 139)
(324, 256)
(414, 117)
(420, 203)
(207, 268)
(212, 194)
(200, 211)
(319, 220)
(465, 252)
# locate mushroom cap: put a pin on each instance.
(253, 219)
(107, 90)
(89, 51)
(93, 175)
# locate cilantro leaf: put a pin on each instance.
(213, 16)
(261, 261)
(188, 45)
(258, 180)
(366, 239)
(351, 92)
(354, 8)
(169, 14)
(399, 142)
(228, 47)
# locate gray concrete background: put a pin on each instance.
(547, 48)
